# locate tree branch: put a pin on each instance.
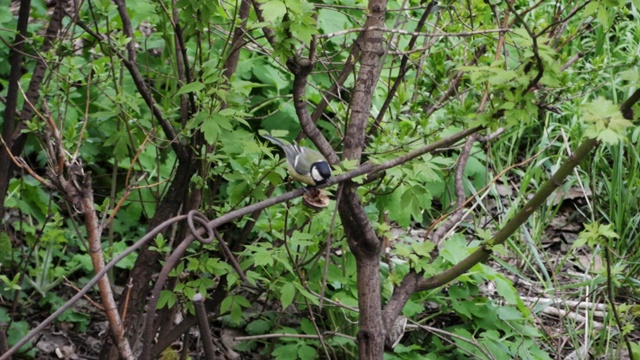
(131, 65)
(416, 283)
(301, 68)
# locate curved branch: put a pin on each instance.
(414, 282)
(367, 168)
(333, 91)
(458, 213)
(514, 224)
(351, 198)
(301, 68)
(46, 322)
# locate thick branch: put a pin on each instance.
(372, 51)
(15, 61)
(97, 258)
(403, 69)
(301, 68)
(627, 107)
(364, 169)
(360, 234)
(46, 322)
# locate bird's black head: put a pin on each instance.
(320, 172)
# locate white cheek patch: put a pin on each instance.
(315, 175)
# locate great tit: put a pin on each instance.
(305, 165)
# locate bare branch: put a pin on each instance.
(412, 33)
(458, 214)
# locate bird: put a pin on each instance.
(304, 164)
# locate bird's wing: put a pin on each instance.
(299, 153)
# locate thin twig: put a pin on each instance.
(458, 214)
(412, 33)
(327, 258)
(293, 336)
(90, 300)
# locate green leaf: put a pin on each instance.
(299, 7)
(211, 129)
(635, 346)
(630, 75)
(5, 246)
(233, 305)
(330, 21)
(307, 352)
(591, 8)
(506, 289)
(19, 330)
(501, 77)
(412, 308)
(192, 87)
(226, 304)
(507, 105)
(455, 249)
(166, 299)
(423, 248)
(258, 327)
(603, 16)
(307, 327)
(613, 3)
(242, 301)
(273, 10)
(12, 284)
(594, 233)
(608, 232)
(287, 292)
(286, 352)
(236, 314)
(303, 31)
(604, 121)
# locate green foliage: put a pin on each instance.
(290, 18)
(595, 234)
(298, 350)
(16, 332)
(233, 305)
(105, 122)
(605, 121)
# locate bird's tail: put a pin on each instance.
(275, 141)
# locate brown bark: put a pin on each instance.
(12, 134)
(361, 237)
(148, 264)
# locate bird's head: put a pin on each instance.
(320, 172)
